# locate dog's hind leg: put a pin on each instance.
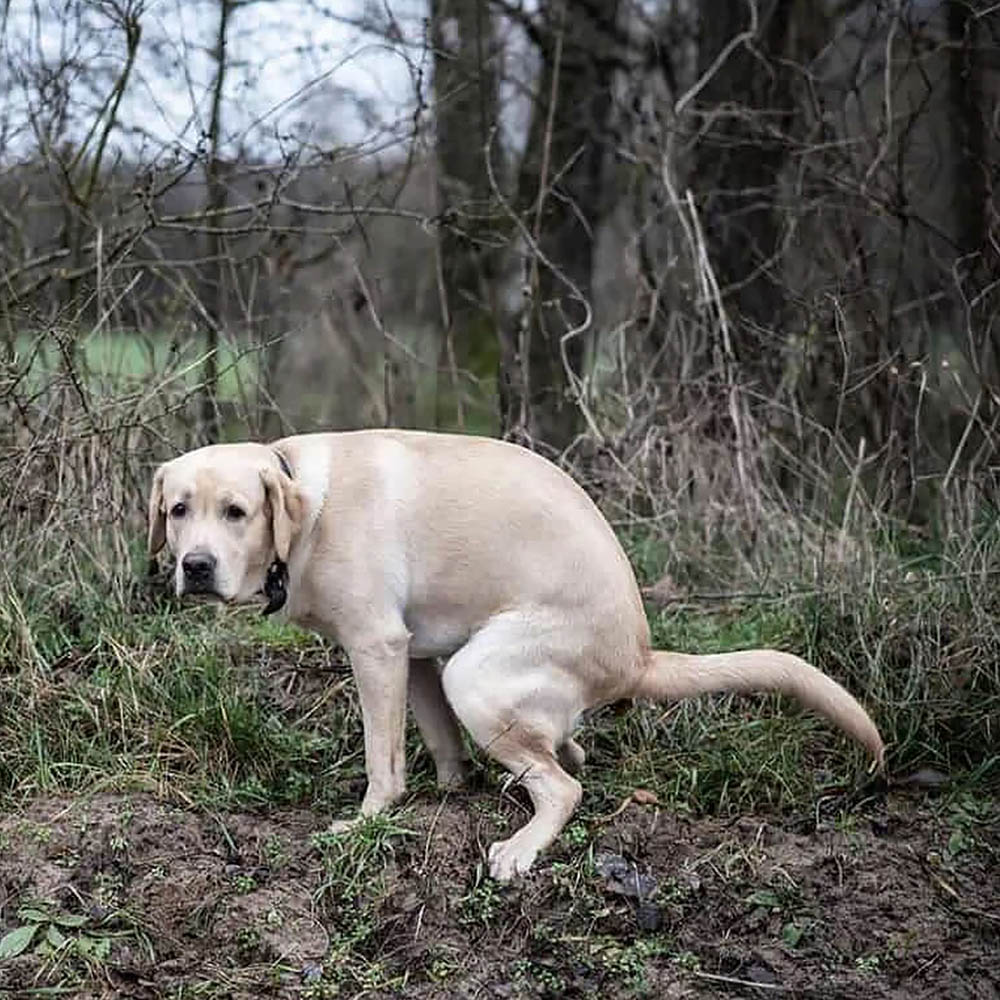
(571, 756)
(554, 795)
(437, 723)
(518, 712)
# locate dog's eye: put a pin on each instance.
(235, 512)
(178, 510)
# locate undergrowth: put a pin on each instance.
(195, 717)
(227, 709)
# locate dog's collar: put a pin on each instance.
(276, 578)
(283, 462)
(275, 586)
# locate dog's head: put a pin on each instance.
(227, 512)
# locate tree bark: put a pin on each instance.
(466, 103)
(563, 193)
(745, 110)
(975, 178)
(214, 302)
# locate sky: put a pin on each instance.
(299, 68)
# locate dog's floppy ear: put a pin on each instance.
(286, 509)
(157, 515)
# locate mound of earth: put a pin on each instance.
(131, 896)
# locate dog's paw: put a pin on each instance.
(508, 859)
(339, 826)
(453, 777)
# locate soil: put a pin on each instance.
(900, 901)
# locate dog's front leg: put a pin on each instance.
(380, 669)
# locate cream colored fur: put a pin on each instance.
(415, 549)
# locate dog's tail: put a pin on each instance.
(672, 676)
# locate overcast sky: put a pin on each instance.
(297, 68)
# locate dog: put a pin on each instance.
(412, 548)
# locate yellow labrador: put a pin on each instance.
(407, 547)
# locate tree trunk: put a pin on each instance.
(745, 109)
(975, 178)
(562, 192)
(214, 302)
(466, 101)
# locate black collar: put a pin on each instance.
(276, 578)
(283, 462)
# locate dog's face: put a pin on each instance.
(226, 512)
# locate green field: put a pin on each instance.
(113, 361)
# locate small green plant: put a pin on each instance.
(624, 963)
(276, 852)
(244, 884)
(966, 812)
(537, 977)
(793, 932)
(687, 960)
(481, 904)
(764, 899)
(773, 899)
(351, 858)
(49, 934)
(38, 831)
(248, 940)
(442, 968)
(868, 964)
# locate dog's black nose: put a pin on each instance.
(199, 569)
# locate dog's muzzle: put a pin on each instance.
(199, 572)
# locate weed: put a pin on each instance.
(965, 814)
(442, 967)
(248, 940)
(624, 963)
(687, 960)
(244, 884)
(53, 936)
(868, 964)
(793, 932)
(276, 852)
(350, 857)
(481, 904)
(538, 977)
(576, 835)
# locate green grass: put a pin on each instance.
(146, 692)
(112, 361)
(155, 696)
(123, 689)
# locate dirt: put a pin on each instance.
(159, 899)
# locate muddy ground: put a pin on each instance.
(130, 896)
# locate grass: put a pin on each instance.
(226, 713)
(163, 697)
(116, 360)
(227, 709)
